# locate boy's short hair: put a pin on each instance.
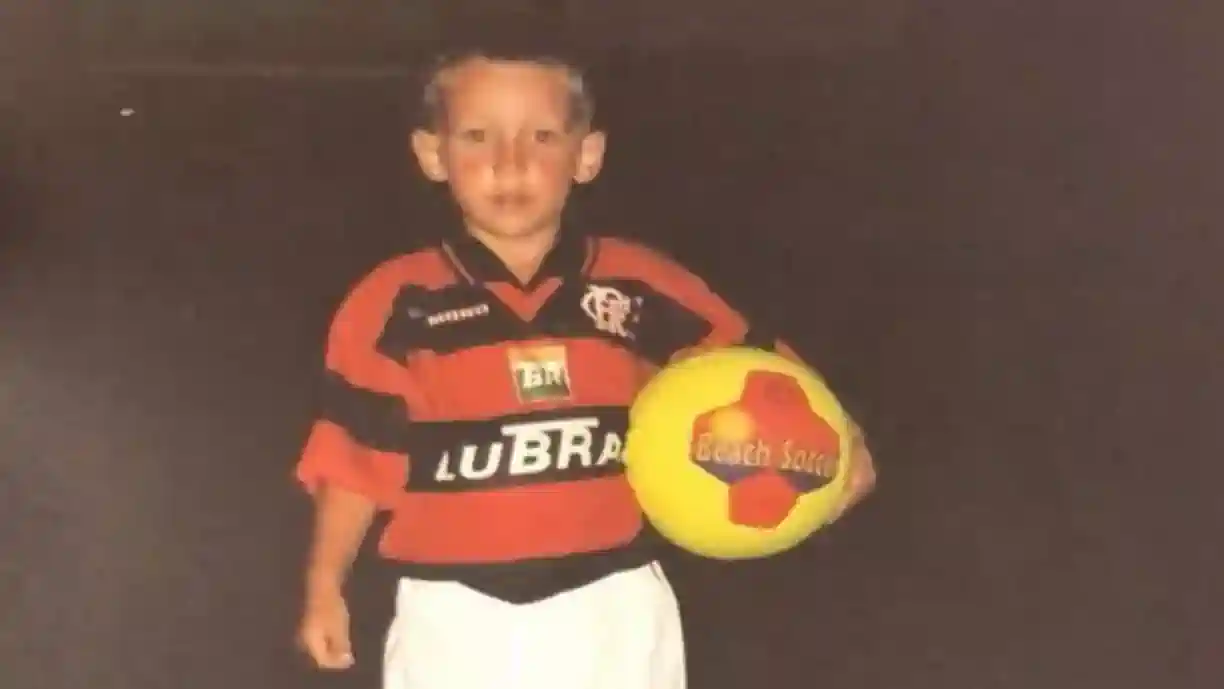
(507, 46)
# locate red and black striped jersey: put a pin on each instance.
(487, 416)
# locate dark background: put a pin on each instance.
(995, 225)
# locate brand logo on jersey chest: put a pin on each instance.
(457, 315)
(562, 446)
(540, 373)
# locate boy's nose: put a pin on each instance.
(509, 159)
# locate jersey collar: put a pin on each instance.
(570, 257)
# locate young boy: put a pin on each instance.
(478, 389)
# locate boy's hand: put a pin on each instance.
(862, 477)
(324, 630)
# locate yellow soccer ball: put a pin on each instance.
(737, 453)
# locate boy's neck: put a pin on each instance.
(522, 255)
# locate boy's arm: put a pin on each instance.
(352, 464)
(342, 519)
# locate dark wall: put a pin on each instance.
(997, 235)
(374, 31)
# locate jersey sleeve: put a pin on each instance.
(356, 439)
(716, 323)
(695, 318)
(687, 315)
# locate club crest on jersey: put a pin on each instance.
(541, 373)
(611, 310)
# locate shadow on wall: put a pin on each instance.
(17, 205)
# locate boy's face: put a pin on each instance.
(508, 146)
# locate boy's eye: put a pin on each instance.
(473, 135)
(545, 136)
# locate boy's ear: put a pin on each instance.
(428, 149)
(590, 156)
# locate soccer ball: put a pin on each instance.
(737, 453)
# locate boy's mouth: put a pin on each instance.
(510, 200)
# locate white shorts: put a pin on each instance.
(621, 632)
